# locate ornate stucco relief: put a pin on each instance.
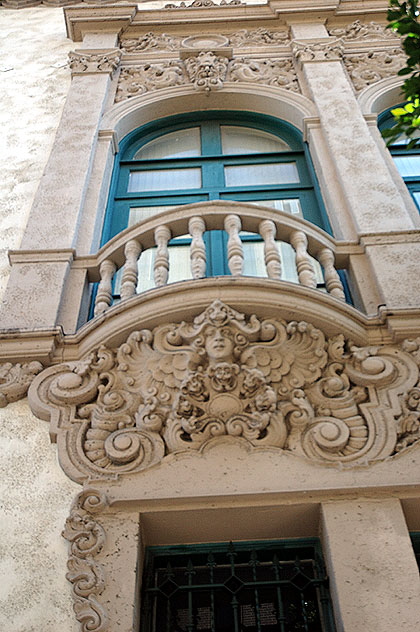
(370, 67)
(87, 538)
(15, 380)
(205, 71)
(326, 50)
(91, 62)
(238, 39)
(203, 4)
(273, 383)
(358, 31)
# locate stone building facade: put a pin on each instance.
(211, 306)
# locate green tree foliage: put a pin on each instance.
(403, 18)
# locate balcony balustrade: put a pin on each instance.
(117, 262)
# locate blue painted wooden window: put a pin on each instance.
(206, 156)
(406, 160)
(241, 587)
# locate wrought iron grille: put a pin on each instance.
(241, 587)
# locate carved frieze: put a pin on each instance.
(238, 39)
(326, 50)
(358, 31)
(88, 62)
(370, 67)
(15, 380)
(203, 4)
(87, 538)
(205, 71)
(273, 383)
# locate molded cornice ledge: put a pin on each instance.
(82, 19)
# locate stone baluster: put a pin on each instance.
(104, 295)
(235, 251)
(161, 266)
(129, 279)
(272, 259)
(196, 227)
(304, 264)
(331, 276)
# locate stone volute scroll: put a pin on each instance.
(277, 384)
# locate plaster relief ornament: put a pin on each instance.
(203, 4)
(260, 36)
(270, 382)
(368, 68)
(15, 380)
(89, 62)
(87, 538)
(271, 72)
(326, 50)
(150, 41)
(146, 77)
(207, 71)
(358, 31)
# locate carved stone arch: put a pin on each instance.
(381, 95)
(127, 115)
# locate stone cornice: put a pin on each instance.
(83, 19)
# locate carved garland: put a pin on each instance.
(85, 573)
(271, 382)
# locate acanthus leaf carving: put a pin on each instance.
(15, 380)
(272, 72)
(368, 68)
(203, 4)
(327, 50)
(87, 539)
(274, 383)
(92, 62)
(151, 76)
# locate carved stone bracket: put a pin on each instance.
(88, 62)
(274, 383)
(370, 67)
(15, 380)
(317, 50)
(85, 573)
(206, 71)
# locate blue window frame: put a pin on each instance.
(204, 156)
(406, 160)
(240, 587)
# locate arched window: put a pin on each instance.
(207, 156)
(406, 160)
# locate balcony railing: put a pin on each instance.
(120, 257)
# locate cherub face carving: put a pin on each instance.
(219, 344)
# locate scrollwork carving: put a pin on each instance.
(368, 68)
(328, 50)
(15, 380)
(272, 72)
(87, 538)
(359, 31)
(203, 4)
(146, 77)
(274, 383)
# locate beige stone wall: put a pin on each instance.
(34, 82)
(35, 494)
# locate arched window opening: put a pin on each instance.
(207, 156)
(406, 160)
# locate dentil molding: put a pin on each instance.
(274, 383)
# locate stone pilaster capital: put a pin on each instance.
(317, 50)
(90, 61)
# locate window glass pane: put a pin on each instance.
(243, 140)
(184, 143)
(164, 179)
(291, 206)
(416, 196)
(268, 173)
(138, 214)
(408, 165)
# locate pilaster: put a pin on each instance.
(374, 577)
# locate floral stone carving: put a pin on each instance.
(87, 62)
(273, 383)
(15, 380)
(87, 538)
(327, 50)
(359, 31)
(367, 68)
